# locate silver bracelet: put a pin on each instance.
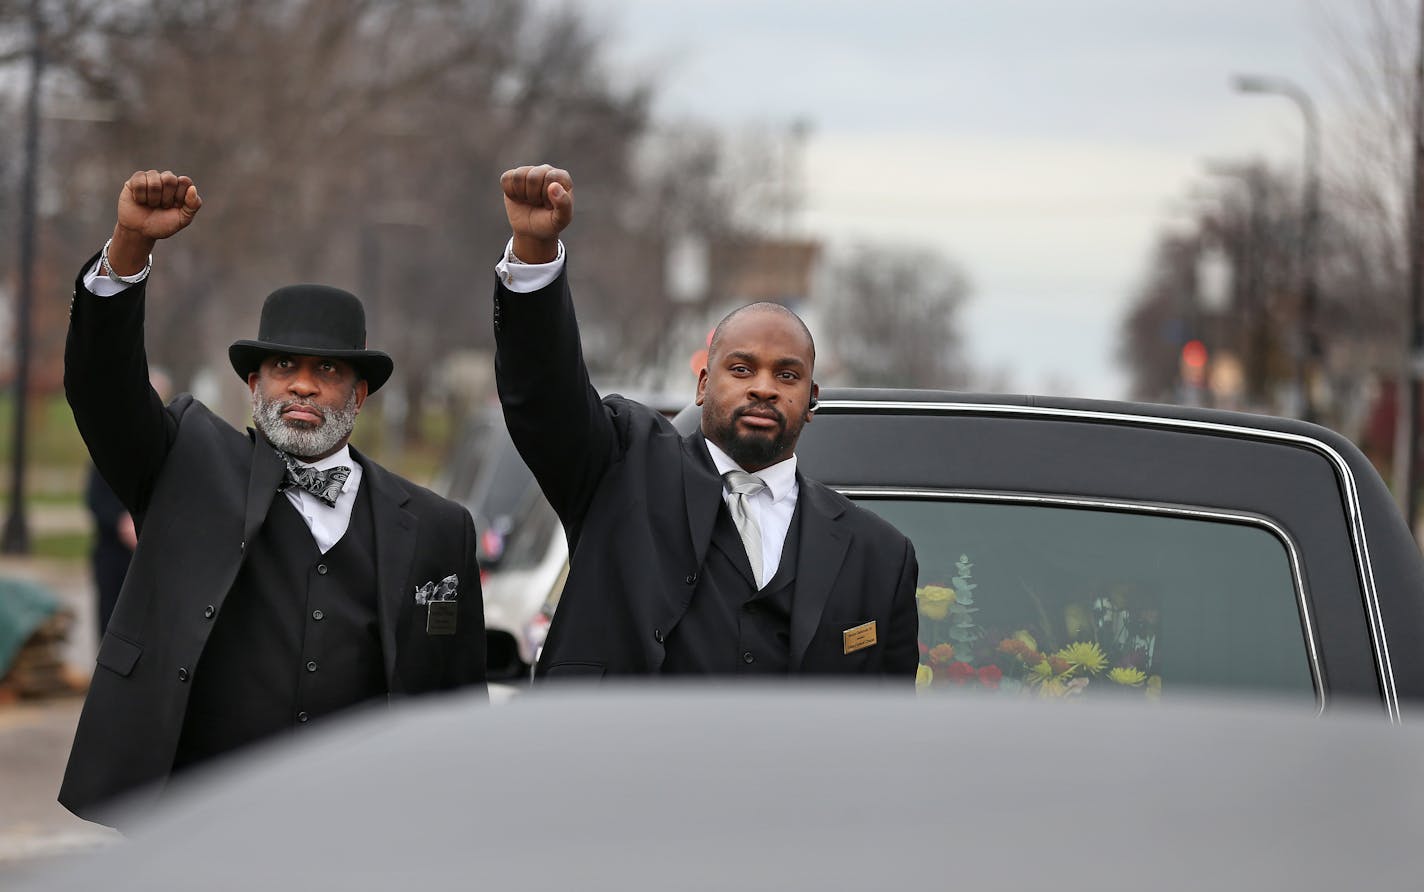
(123, 280)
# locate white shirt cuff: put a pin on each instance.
(523, 278)
(102, 286)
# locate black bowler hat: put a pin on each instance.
(313, 320)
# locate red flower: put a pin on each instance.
(924, 649)
(959, 672)
(989, 677)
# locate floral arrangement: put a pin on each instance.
(1107, 643)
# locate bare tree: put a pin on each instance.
(892, 319)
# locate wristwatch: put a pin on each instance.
(123, 280)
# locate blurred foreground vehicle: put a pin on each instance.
(695, 787)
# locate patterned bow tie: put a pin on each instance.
(325, 485)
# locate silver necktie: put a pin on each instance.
(743, 486)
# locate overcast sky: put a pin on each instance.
(1040, 143)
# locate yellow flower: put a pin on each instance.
(1040, 673)
(1076, 619)
(1026, 638)
(1052, 688)
(1084, 655)
(935, 601)
(1128, 676)
(1154, 688)
(923, 676)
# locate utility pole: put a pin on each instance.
(1307, 348)
(16, 537)
(1408, 463)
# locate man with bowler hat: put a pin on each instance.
(280, 576)
(710, 554)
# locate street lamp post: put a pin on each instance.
(1308, 348)
(16, 537)
(1407, 463)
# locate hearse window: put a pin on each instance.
(1053, 602)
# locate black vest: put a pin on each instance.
(297, 637)
(730, 627)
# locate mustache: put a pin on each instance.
(762, 408)
(283, 407)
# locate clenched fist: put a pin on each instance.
(539, 202)
(152, 206)
(156, 205)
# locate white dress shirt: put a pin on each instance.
(327, 523)
(772, 507)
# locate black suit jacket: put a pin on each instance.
(638, 502)
(198, 490)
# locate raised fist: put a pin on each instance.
(156, 205)
(539, 202)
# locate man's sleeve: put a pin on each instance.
(902, 655)
(118, 414)
(554, 415)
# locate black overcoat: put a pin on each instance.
(638, 502)
(198, 490)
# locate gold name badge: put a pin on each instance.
(860, 637)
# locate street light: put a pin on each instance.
(16, 536)
(1309, 346)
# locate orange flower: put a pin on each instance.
(941, 654)
(1014, 646)
(1059, 665)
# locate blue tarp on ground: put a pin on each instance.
(24, 607)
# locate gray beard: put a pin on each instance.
(302, 440)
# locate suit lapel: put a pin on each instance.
(823, 548)
(262, 479)
(395, 531)
(702, 490)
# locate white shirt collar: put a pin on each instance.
(780, 478)
(341, 456)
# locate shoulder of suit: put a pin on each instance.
(868, 521)
(187, 409)
(421, 498)
(634, 413)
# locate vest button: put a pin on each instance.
(311, 665)
(748, 658)
(658, 635)
(303, 717)
(318, 615)
(182, 673)
(321, 568)
(209, 611)
(691, 579)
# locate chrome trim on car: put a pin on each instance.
(1363, 565)
(1246, 519)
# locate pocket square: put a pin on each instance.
(446, 589)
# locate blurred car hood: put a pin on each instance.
(715, 788)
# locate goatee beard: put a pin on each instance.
(753, 450)
(298, 439)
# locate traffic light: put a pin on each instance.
(1193, 363)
